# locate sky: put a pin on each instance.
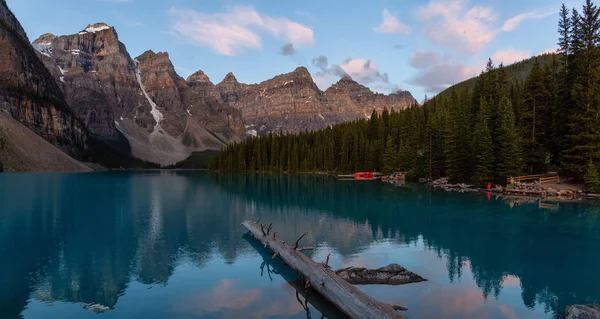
(422, 46)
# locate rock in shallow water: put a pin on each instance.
(392, 274)
(583, 312)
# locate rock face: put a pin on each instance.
(292, 102)
(21, 150)
(142, 99)
(29, 93)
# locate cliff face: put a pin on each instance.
(142, 99)
(293, 103)
(29, 93)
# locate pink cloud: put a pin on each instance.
(231, 32)
(450, 23)
(391, 25)
(509, 56)
(514, 22)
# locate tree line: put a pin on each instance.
(502, 125)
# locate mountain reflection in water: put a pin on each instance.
(169, 244)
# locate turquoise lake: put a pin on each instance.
(167, 244)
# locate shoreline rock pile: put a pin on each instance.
(460, 187)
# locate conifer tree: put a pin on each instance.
(483, 151)
(390, 160)
(508, 158)
(592, 181)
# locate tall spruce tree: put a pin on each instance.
(508, 158)
(483, 151)
(390, 158)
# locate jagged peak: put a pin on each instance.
(149, 54)
(45, 39)
(198, 77)
(229, 77)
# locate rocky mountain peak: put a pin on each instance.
(45, 39)
(198, 77)
(229, 78)
(346, 83)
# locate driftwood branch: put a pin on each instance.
(396, 307)
(347, 298)
(326, 263)
(269, 228)
(257, 221)
(262, 229)
(298, 240)
(306, 248)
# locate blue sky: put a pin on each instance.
(420, 46)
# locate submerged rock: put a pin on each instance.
(583, 312)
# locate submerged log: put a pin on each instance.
(347, 298)
(392, 274)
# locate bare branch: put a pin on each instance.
(275, 255)
(269, 228)
(305, 248)
(258, 220)
(396, 307)
(262, 229)
(298, 240)
(326, 264)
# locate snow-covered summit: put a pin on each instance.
(96, 27)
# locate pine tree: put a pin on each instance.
(483, 151)
(508, 158)
(592, 181)
(390, 160)
(564, 31)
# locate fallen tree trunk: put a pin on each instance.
(347, 298)
(392, 274)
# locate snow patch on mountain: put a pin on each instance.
(155, 112)
(92, 29)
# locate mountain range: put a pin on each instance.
(83, 90)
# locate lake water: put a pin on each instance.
(170, 245)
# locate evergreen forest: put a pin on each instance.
(535, 116)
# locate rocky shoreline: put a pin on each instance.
(517, 189)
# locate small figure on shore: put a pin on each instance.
(489, 187)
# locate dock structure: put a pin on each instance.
(350, 300)
(541, 178)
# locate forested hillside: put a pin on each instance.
(537, 115)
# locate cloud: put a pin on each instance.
(514, 22)
(288, 49)
(231, 32)
(440, 76)
(321, 62)
(391, 25)
(451, 24)
(422, 59)
(364, 71)
(509, 56)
